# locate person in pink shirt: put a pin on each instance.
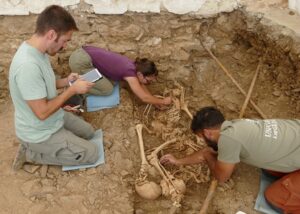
(116, 67)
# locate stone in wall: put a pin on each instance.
(294, 5)
(24, 7)
(155, 6)
(37, 6)
(211, 8)
(108, 6)
(201, 7)
(183, 6)
(13, 7)
(144, 6)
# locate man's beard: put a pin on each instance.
(211, 143)
(53, 53)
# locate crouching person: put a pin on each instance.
(48, 134)
(272, 145)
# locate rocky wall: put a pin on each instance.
(171, 40)
(204, 7)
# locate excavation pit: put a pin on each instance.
(239, 41)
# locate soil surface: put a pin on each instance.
(109, 188)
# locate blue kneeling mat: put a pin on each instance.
(261, 203)
(97, 139)
(96, 103)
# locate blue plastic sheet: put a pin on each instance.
(97, 139)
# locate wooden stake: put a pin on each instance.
(250, 89)
(214, 182)
(234, 81)
(209, 196)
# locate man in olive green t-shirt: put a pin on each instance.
(48, 134)
(273, 145)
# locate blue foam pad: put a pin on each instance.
(97, 139)
(261, 204)
(96, 103)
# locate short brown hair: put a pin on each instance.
(57, 18)
(146, 67)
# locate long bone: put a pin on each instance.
(154, 160)
(214, 183)
(148, 107)
(176, 187)
(193, 145)
(146, 189)
(183, 104)
(147, 111)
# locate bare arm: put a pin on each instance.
(43, 108)
(221, 170)
(195, 158)
(60, 83)
(145, 95)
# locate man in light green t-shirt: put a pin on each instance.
(48, 134)
(273, 145)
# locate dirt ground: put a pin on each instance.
(109, 188)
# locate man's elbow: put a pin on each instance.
(41, 116)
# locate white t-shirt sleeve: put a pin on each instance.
(30, 82)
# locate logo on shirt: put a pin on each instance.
(251, 121)
(271, 129)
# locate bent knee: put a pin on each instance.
(93, 154)
(277, 195)
(109, 90)
(89, 133)
(73, 62)
(79, 61)
(102, 89)
(269, 194)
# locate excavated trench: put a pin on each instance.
(239, 41)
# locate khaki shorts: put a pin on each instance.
(80, 62)
(68, 146)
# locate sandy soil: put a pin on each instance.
(108, 188)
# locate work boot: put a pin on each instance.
(20, 158)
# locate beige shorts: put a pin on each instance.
(80, 62)
(68, 146)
